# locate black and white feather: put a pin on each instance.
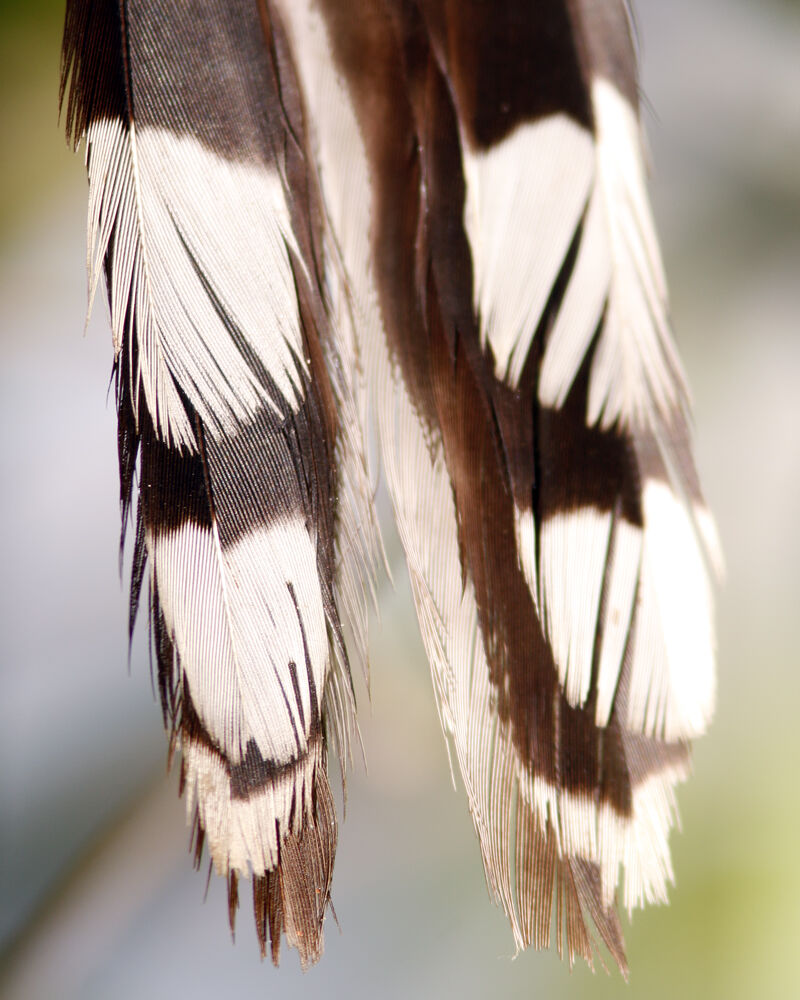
(310, 210)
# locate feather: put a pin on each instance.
(523, 373)
(206, 218)
(309, 211)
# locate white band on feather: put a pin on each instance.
(237, 628)
(673, 683)
(574, 549)
(193, 227)
(524, 199)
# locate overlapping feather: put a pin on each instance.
(446, 201)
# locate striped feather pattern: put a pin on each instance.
(308, 210)
(252, 505)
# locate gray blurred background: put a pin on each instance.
(97, 895)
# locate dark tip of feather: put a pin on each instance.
(269, 914)
(292, 898)
(233, 901)
(197, 841)
(333, 914)
(208, 880)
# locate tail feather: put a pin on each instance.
(523, 365)
(205, 217)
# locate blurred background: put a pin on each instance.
(97, 895)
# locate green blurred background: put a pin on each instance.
(97, 896)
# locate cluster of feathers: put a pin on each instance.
(430, 213)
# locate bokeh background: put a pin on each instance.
(97, 896)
